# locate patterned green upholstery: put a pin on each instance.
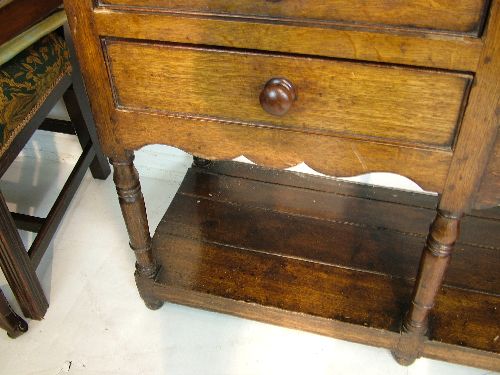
(25, 82)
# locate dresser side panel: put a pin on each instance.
(479, 128)
(489, 192)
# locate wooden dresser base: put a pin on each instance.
(330, 257)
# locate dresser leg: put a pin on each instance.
(433, 264)
(133, 209)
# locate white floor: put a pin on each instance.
(97, 324)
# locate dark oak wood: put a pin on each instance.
(342, 214)
(277, 96)
(57, 126)
(9, 320)
(443, 15)
(17, 268)
(326, 184)
(58, 209)
(17, 16)
(230, 244)
(27, 222)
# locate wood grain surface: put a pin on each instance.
(479, 128)
(280, 149)
(352, 222)
(176, 83)
(235, 244)
(333, 97)
(438, 51)
(447, 15)
(489, 191)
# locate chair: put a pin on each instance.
(36, 70)
(9, 320)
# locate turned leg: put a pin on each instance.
(133, 208)
(433, 264)
(9, 320)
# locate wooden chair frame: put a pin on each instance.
(18, 264)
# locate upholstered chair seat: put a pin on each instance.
(25, 82)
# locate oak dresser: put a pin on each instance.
(348, 87)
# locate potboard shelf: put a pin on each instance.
(326, 256)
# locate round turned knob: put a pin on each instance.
(278, 96)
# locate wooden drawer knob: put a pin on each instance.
(278, 96)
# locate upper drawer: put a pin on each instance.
(456, 16)
(334, 97)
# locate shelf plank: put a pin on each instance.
(284, 283)
(339, 262)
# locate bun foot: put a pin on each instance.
(402, 358)
(153, 304)
(409, 346)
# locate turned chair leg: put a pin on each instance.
(133, 209)
(9, 320)
(435, 259)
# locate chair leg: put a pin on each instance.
(9, 320)
(18, 269)
(80, 113)
(82, 120)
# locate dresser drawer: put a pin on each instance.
(333, 97)
(463, 16)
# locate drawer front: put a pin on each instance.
(462, 16)
(394, 104)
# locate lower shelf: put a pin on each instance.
(330, 257)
